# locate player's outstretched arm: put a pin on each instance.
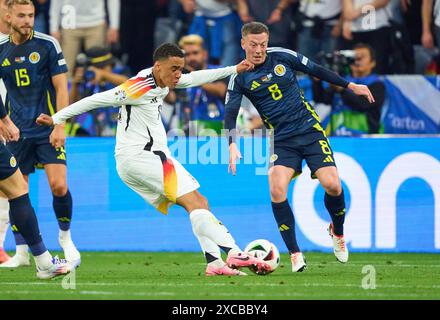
(303, 64)
(198, 78)
(118, 96)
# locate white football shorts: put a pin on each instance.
(160, 180)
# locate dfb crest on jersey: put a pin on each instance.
(120, 94)
(280, 70)
(34, 57)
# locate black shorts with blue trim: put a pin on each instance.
(312, 145)
(36, 152)
(8, 163)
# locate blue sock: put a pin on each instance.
(19, 240)
(336, 208)
(24, 221)
(63, 210)
(286, 224)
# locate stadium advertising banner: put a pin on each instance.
(392, 188)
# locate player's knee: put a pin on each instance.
(58, 188)
(277, 193)
(333, 187)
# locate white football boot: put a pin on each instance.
(298, 262)
(59, 267)
(339, 247)
(18, 260)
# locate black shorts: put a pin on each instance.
(8, 164)
(313, 146)
(32, 152)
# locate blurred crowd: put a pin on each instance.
(107, 41)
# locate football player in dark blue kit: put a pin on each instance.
(35, 75)
(22, 215)
(273, 89)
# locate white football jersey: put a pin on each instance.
(141, 99)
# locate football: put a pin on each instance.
(266, 251)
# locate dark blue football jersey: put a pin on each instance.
(273, 89)
(27, 71)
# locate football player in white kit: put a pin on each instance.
(144, 161)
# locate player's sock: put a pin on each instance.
(4, 219)
(205, 224)
(23, 220)
(336, 208)
(286, 224)
(44, 260)
(212, 252)
(63, 210)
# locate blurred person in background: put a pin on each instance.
(95, 71)
(373, 30)
(319, 26)
(82, 23)
(42, 15)
(274, 13)
(138, 19)
(431, 33)
(219, 26)
(199, 107)
(351, 114)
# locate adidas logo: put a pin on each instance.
(283, 227)
(6, 63)
(62, 156)
(255, 85)
(328, 159)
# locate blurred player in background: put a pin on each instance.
(144, 161)
(273, 89)
(34, 72)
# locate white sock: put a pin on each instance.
(22, 250)
(205, 224)
(44, 261)
(4, 219)
(208, 246)
(65, 235)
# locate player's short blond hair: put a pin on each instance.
(191, 39)
(12, 3)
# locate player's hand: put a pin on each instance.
(58, 137)
(234, 154)
(244, 66)
(8, 130)
(44, 120)
(361, 90)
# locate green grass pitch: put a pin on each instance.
(169, 275)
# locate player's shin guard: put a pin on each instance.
(286, 224)
(205, 224)
(63, 210)
(336, 208)
(23, 220)
(4, 219)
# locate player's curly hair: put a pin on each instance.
(12, 3)
(167, 50)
